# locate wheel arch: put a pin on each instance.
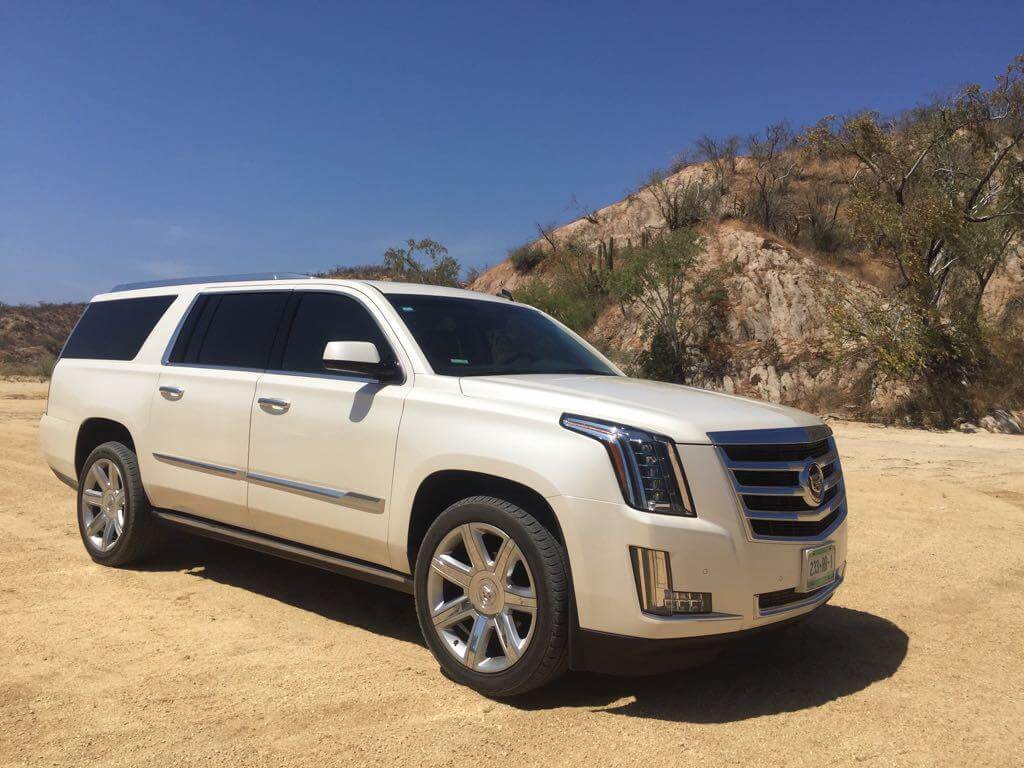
(95, 431)
(443, 488)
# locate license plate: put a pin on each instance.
(819, 567)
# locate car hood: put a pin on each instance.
(685, 414)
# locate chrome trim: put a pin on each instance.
(781, 466)
(811, 516)
(344, 498)
(840, 519)
(335, 376)
(351, 499)
(200, 466)
(355, 295)
(173, 394)
(274, 402)
(788, 436)
(240, 278)
(783, 436)
(816, 598)
(290, 550)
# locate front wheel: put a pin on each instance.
(492, 593)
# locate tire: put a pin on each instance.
(136, 531)
(501, 647)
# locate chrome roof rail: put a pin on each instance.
(211, 279)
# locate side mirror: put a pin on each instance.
(359, 358)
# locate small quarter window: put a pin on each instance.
(116, 329)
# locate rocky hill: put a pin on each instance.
(31, 335)
(776, 334)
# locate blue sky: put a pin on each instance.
(144, 140)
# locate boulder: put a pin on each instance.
(1002, 422)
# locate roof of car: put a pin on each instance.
(157, 287)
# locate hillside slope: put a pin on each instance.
(776, 333)
(30, 335)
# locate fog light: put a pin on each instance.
(653, 574)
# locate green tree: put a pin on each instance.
(574, 288)
(940, 195)
(406, 264)
(679, 302)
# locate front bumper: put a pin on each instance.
(712, 552)
(592, 651)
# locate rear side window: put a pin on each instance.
(231, 330)
(115, 330)
(324, 317)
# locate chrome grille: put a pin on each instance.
(770, 470)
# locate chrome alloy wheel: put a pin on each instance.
(103, 505)
(483, 601)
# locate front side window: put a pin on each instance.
(471, 337)
(323, 317)
(117, 329)
(231, 330)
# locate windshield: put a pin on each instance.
(469, 337)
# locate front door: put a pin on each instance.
(322, 445)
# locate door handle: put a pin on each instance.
(172, 393)
(273, 404)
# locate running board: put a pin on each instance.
(289, 550)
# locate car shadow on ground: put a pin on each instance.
(836, 652)
(337, 598)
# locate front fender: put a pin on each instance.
(447, 431)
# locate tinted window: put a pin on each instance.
(232, 330)
(115, 330)
(469, 337)
(324, 317)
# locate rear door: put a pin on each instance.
(322, 444)
(199, 421)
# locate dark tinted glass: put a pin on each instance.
(115, 330)
(324, 317)
(236, 330)
(468, 337)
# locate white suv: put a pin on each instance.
(546, 511)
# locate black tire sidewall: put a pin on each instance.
(532, 669)
(133, 538)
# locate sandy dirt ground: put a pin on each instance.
(217, 656)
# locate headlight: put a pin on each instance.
(646, 465)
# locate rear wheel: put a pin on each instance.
(492, 597)
(114, 514)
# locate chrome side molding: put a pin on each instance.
(344, 498)
(359, 501)
(200, 466)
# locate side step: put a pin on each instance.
(289, 550)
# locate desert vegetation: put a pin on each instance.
(912, 218)
(31, 336)
(416, 261)
(885, 252)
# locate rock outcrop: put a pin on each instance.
(776, 331)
